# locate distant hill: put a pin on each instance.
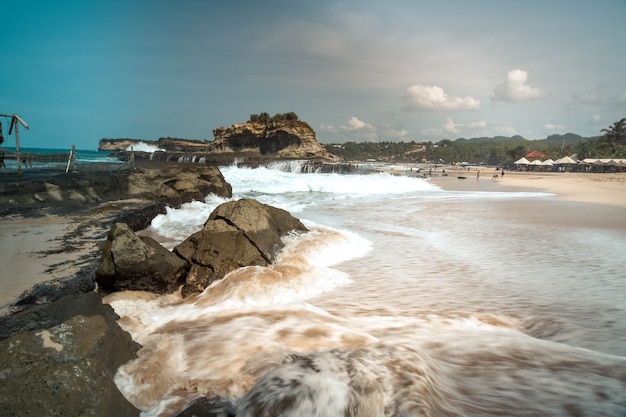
(552, 140)
(492, 139)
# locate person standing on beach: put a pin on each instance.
(502, 173)
(477, 174)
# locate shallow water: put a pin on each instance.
(403, 300)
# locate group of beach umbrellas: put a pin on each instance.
(605, 162)
(567, 160)
(538, 162)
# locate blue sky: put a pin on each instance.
(78, 71)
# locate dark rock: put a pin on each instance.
(262, 224)
(166, 182)
(208, 407)
(131, 262)
(237, 234)
(213, 252)
(66, 369)
(42, 316)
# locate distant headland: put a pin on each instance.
(282, 136)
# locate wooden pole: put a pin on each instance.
(17, 147)
(69, 160)
(74, 158)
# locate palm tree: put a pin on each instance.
(615, 135)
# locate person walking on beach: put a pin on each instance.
(502, 173)
(477, 174)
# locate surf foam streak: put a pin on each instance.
(246, 180)
(143, 147)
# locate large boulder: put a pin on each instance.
(237, 234)
(131, 262)
(66, 369)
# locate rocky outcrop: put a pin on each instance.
(61, 359)
(131, 262)
(169, 183)
(237, 234)
(284, 140)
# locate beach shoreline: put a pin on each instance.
(595, 188)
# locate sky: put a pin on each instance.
(398, 70)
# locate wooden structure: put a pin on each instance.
(15, 122)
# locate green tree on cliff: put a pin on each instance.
(264, 118)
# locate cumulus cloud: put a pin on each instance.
(515, 89)
(450, 126)
(355, 124)
(553, 127)
(427, 97)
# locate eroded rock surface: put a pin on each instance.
(131, 262)
(64, 364)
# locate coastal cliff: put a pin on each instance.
(286, 139)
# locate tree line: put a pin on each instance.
(265, 118)
(489, 151)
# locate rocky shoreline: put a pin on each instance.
(60, 341)
(60, 345)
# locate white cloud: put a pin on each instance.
(450, 126)
(552, 128)
(355, 124)
(427, 97)
(514, 88)
(596, 119)
(477, 125)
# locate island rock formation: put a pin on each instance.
(286, 140)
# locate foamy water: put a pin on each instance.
(403, 300)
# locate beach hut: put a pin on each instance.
(548, 162)
(522, 161)
(565, 162)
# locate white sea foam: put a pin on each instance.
(143, 147)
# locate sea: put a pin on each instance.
(403, 299)
(51, 158)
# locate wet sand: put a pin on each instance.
(23, 243)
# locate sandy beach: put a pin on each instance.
(608, 189)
